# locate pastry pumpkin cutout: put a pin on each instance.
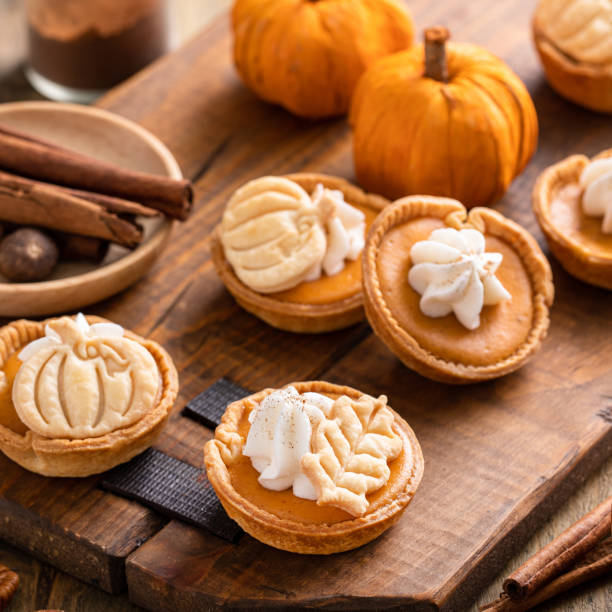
(271, 234)
(82, 381)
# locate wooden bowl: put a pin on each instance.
(111, 138)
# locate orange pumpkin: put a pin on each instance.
(442, 119)
(307, 55)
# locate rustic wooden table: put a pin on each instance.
(44, 587)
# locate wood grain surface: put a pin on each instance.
(499, 456)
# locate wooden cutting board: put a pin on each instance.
(500, 456)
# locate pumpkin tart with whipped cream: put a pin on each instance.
(289, 250)
(459, 297)
(572, 201)
(80, 395)
(314, 468)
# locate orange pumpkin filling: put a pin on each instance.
(8, 414)
(567, 216)
(285, 504)
(328, 289)
(503, 327)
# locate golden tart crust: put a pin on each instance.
(584, 83)
(442, 349)
(82, 457)
(328, 530)
(574, 238)
(282, 310)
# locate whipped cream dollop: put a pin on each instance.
(52, 338)
(344, 228)
(276, 236)
(452, 273)
(280, 434)
(596, 180)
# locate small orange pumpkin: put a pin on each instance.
(307, 55)
(442, 119)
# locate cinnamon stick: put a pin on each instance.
(27, 202)
(116, 205)
(9, 581)
(599, 564)
(45, 161)
(79, 248)
(112, 204)
(561, 553)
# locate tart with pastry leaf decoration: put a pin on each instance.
(314, 468)
(459, 297)
(80, 395)
(572, 201)
(289, 249)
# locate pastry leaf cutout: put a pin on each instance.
(351, 448)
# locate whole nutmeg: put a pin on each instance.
(27, 255)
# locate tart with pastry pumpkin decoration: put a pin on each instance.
(457, 297)
(574, 41)
(443, 118)
(80, 395)
(289, 249)
(572, 201)
(314, 468)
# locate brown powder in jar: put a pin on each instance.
(95, 44)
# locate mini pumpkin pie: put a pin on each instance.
(80, 395)
(574, 41)
(457, 297)
(314, 467)
(572, 201)
(289, 249)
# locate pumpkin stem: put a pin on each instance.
(435, 53)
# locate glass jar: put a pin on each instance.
(80, 48)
